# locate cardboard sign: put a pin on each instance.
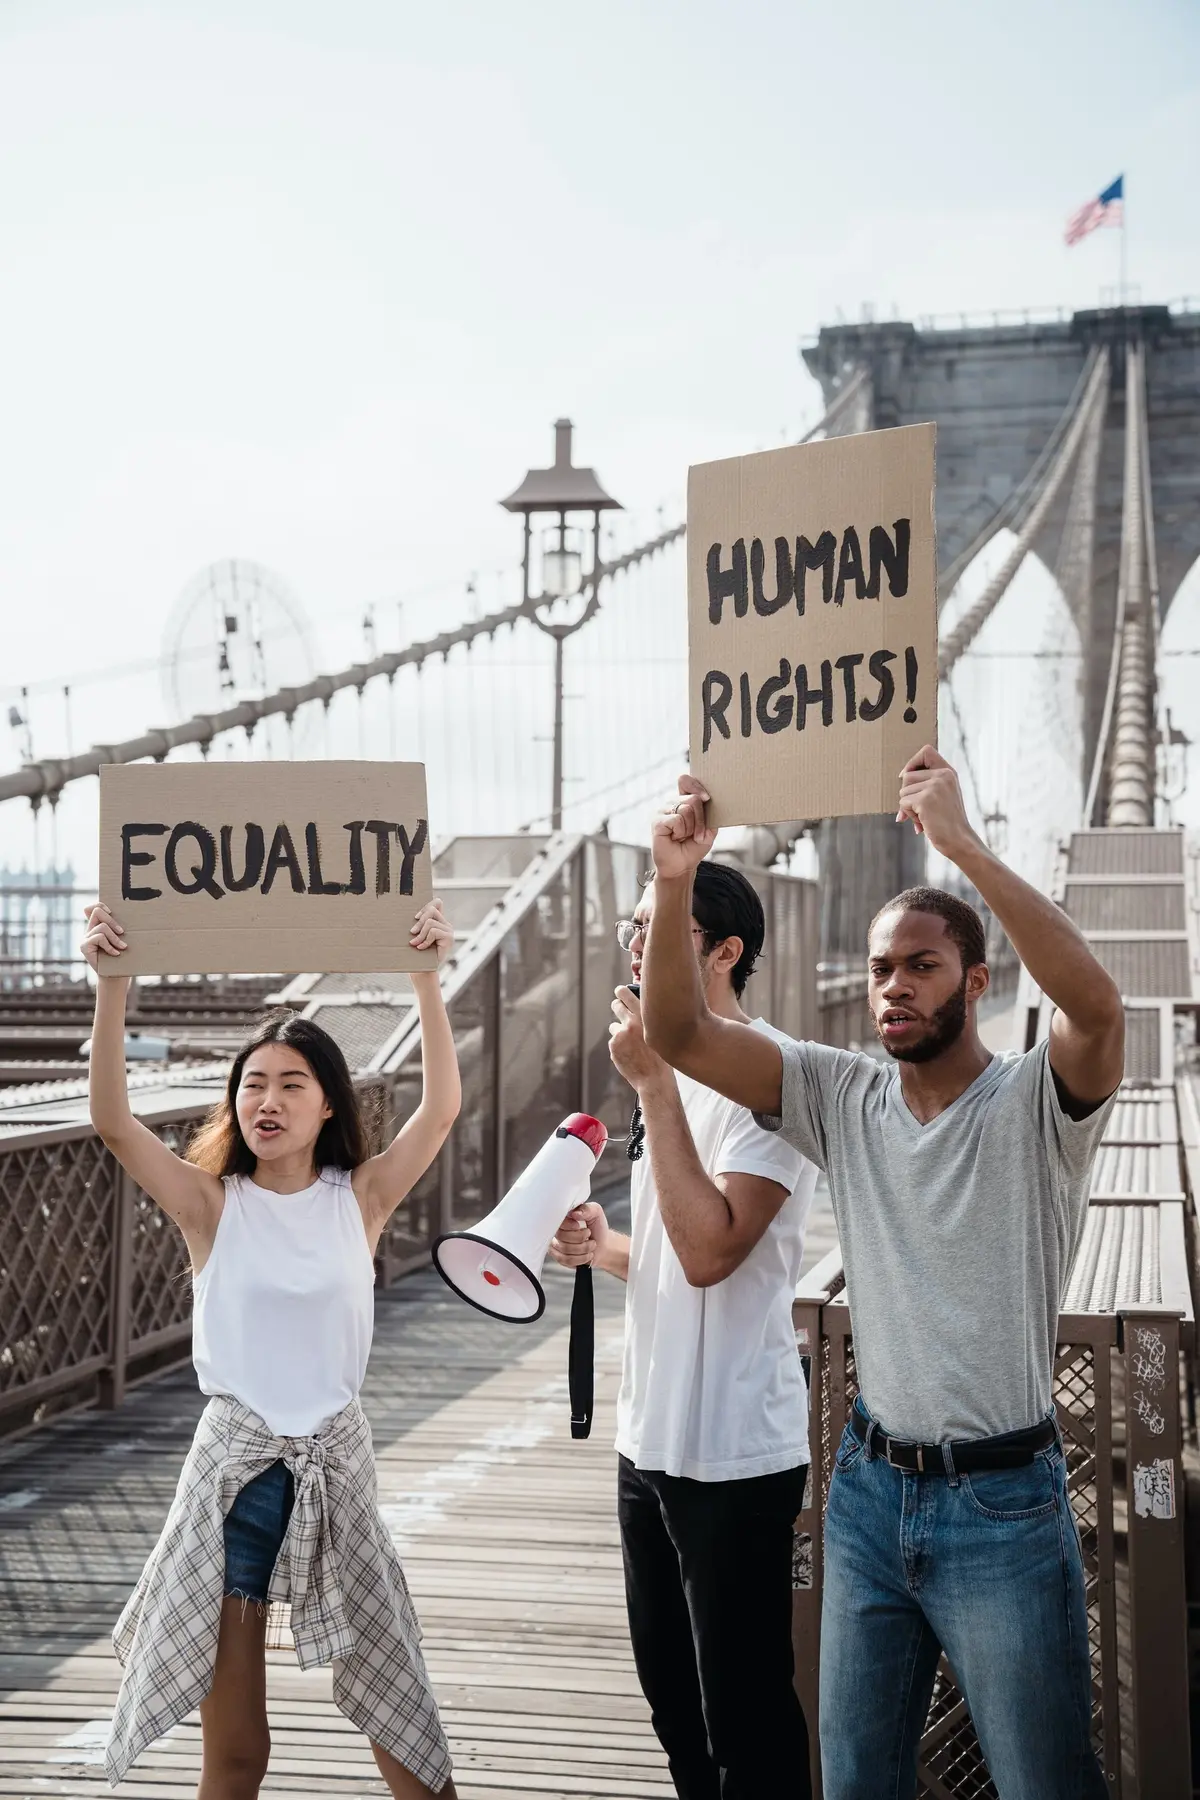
(812, 625)
(264, 867)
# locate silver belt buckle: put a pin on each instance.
(920, 1449)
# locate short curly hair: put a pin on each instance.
(962, 922)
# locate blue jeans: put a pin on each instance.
(255, 1527)
(986, 1567)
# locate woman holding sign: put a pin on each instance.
(282, 1211)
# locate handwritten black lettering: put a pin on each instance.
(910, 685)
(850, 567)
(252, 867)
(772, 704)
(821, 556)
(877, 663)
(727, 584)
(884, 554)
(282, 855)
(317, 883)
(357, 883)
(848, 664)
(410, 849)
(203, 873)
(715, 694)
(194, 854)
(131, 859)
(806, 696)
(381, 830)
(776, 717)
(784, 577)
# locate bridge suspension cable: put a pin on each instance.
(1125, 748)
(1076, 552)
(1152, 588)
(1012, 509)
(45, 779)
(1093, 403)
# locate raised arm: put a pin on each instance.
(734, 1059)
(381, 1183)
(1087, 1033)
(186, 1194)
(713, 1223)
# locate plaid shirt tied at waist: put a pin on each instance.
(338, 1568)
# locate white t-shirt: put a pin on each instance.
(712, 1386)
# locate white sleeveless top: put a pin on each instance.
(284, 1308)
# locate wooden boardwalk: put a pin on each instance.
(508, 1533)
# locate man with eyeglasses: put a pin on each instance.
(712, 1419)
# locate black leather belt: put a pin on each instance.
(1008, 1451)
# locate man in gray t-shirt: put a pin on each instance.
(957, 1235)
(959, 1182)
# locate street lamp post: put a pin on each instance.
(561, 489)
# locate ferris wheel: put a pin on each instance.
(236, 633)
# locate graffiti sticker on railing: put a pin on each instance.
(1154, 1489)
(1150, 1358)
(1148, 1366)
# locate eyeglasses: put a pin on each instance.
(629, 929)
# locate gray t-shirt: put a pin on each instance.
(957, 1236)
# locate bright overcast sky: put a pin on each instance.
(309, 282)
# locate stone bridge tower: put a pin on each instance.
(997, 394)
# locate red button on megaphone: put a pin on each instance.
(498, 1266)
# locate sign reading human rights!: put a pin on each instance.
(812, 625)
(265, 868)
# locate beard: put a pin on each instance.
(944, 1029)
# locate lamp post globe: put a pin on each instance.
(560, 490)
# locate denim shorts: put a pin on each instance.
(255, 1527)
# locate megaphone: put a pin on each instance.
(497, 1267)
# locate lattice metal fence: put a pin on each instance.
(950, 1762)
(160, 1288)
(56, 1229)
(95, 1286)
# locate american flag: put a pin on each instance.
(1107, 208)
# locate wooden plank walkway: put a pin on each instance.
(508, 1533)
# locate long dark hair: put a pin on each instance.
(219, 1146)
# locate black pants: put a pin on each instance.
(708, 1582)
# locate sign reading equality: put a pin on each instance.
(265, 867)
(812, 625)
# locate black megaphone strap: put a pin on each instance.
(581, 1356)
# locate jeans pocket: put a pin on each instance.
(1027, 1492)
(848, 1451)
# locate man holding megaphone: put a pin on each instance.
(712, 1419)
